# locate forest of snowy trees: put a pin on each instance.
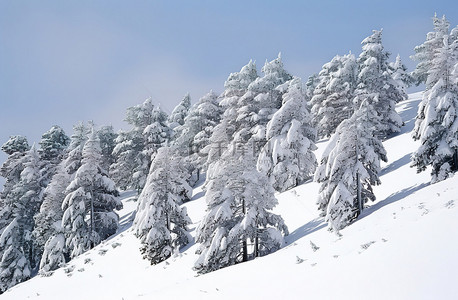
(244, 145)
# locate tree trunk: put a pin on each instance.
(455, 160)
(244, 243)
(92, 223)
(256, 245)
(358, 194)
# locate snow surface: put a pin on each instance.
(404, 246)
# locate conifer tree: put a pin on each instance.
(235, 87)
(160, 222)
(89, 215)
(376, 86)
(107, 138)
(332, 97)
(436, 125)
(259, 103)
(196, 131)
(14, 266)
(16, 148)
(349, 168)
(425, 52)
(399, 73)
(49, 235)
(16, 247)
(131, 161)
(52, 148)
(287, 158)
(179, 113)
(239, 203)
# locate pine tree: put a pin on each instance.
(436, 125)
(131, 161)
(124, 153)
(48, 222)
(376, 86)
(160, 223)
(180, 112)
(197, 129)
(107, 138)
(18, 255)
(49, 233)
(239, 200)
(349, 168)
(259, 103)
(287, 158)
(91, 196)
(425, 52)
(16, 148)
(332, 97)
(14, 266)
(52, 148)
(234, 88)
(399, 73)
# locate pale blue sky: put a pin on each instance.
(65, 61)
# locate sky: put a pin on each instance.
(67, 61)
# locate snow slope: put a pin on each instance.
(404, 246)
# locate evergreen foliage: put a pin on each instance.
(160, 222)
(287, 157)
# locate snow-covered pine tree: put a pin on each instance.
(75, 149)
(14, 266)
(16, 246)
(130, 157)
(29, 195)
(198, 127)
(235, 87)
(52, 148)
(16, 148)
(376, 85)
(310, 85)
(425, 52)
(156, 134)
(287, 157)
(48, 222)
(160, 223)
(107, 138)
(256, 107)
(332, 97)
(239, 203)
(349, 168)
(124, 154)
(89, 215)
(399, 73)
(180, 112)
(436, 125)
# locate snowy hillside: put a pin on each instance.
(404, 246)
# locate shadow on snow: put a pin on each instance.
(392, 199)
(305, 230)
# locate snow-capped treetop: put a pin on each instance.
(140, 115)
(238, 82)
(287, 157)
(16, 143)
(424, 53)
(376, 85)
(400, 74)
(332, 97)
(180, 112)
(53, 143)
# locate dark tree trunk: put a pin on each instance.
(455, 160)
(358, 194)
(244, 243)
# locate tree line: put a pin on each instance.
(257, 137)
